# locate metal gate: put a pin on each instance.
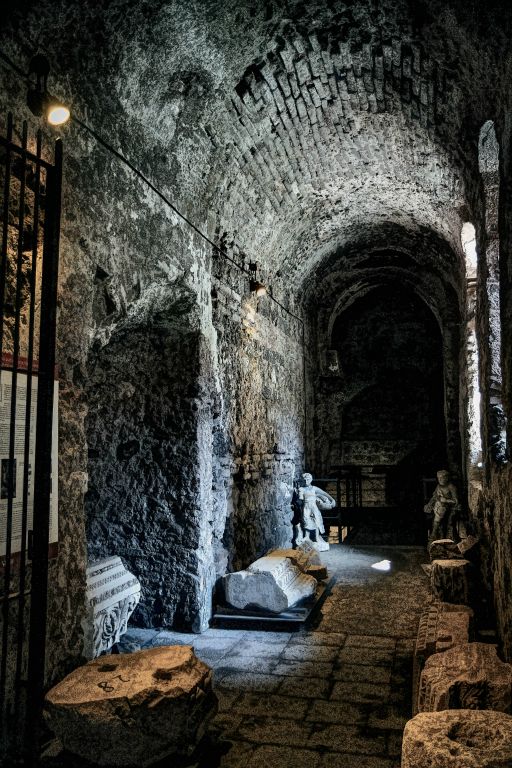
(30, 211)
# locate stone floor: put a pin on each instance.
(334, 696)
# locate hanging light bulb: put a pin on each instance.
(57, 113)
(39, 100)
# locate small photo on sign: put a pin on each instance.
(8, 483)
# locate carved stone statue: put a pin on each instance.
(444, 506)
(315, 500)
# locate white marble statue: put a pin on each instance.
(315, 500)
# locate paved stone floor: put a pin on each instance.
(334, 696)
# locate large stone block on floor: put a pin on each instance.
(133, 709)
(469, 676)
(272, 583)
(442, 625)
(460, 738)
(112, 595)
(450, 581)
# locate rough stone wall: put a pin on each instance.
(295, 129)
(258, 439)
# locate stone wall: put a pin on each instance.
(305, 136)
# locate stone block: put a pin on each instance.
(271, 583)
(442, 625)
(444, 549)
(462, 738)
(307, 560)
(307, 546)
(112, 595)
(450, 581)
(467, 676)
(319, 572)
(134, 709)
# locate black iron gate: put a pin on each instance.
(30, 211)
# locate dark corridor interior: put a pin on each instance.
(392, 422)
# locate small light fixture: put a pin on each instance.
(39, 100)
(255, 285)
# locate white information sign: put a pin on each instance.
(19, 460)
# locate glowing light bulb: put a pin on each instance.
(57, 114)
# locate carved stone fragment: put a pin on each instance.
(444, 549)
(307, 546)
(442, 625)
(460, 738)
(133, 709)
(113, 593)
(271, 583)
(307, 561)
(468, 676)
(450, 581)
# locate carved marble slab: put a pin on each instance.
(458, 739)
(271, 583)
(133, 709)
(442, 625)
(468, 676)
(113, 593)
(450, 581)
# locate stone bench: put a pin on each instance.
(463, 738)
(133, 709)
(112, 595)
(468, 676)
(442, 625)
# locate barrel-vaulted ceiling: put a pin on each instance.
(291, 128)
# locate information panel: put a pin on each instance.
(19, 451)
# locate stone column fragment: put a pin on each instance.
(460, 738)
(468, 676)
(450, 581)
(442, 626)
(271, 583)
(133, 709)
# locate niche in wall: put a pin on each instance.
(145, 501)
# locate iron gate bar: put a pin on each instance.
(43, 456)
(12, 147)
(3, 269)
(28, 418)
(15, 359)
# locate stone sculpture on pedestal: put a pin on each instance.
(315, 500)
(444, 506)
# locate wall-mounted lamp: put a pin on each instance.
(254, 284)
(39, 101)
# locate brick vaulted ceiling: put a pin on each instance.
(292, 128)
